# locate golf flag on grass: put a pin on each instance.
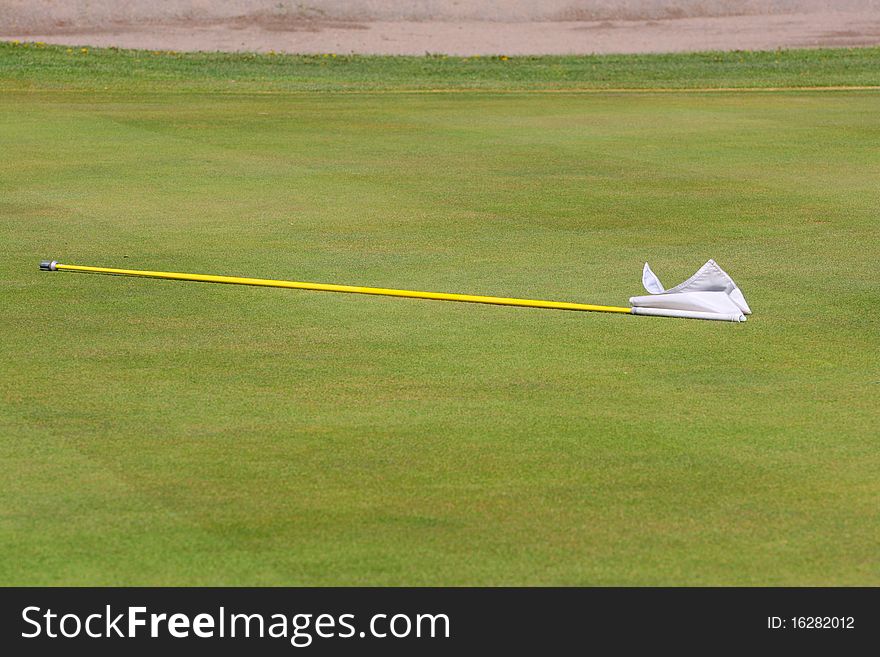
(708, 294)
(710, 291)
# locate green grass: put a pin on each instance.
(175, 433)
(38, 66)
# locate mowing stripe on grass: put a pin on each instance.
(488, 92)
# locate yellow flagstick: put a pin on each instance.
(47, 265)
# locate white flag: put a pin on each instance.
(711, 291)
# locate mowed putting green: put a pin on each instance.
(157, 432)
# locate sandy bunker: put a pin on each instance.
(463, 27)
